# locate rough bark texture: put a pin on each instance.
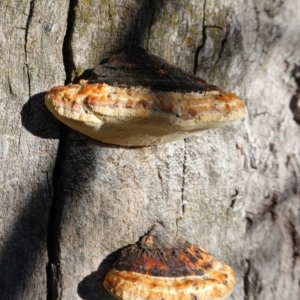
(31, 34)
(68, 202)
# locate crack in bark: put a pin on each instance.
(182, 204)
(296, 242)
(54, 274)
(233, 199)
(224, 41)
(10, 87)
(295, 100)
(67, 48)
(247, 280)
(270, 207)
(183, 179)
(204, 37)
(31, 8)
(257, 29)
(152, 4)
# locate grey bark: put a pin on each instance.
(68, 202)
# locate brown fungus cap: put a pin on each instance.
(158, 267)
(137, 99)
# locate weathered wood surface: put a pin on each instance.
(272, 244)
(205, 189)
(31, 34)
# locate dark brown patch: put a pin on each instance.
(157, 254)
(136, 67)
(143, 103)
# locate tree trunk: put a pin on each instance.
(69, 202)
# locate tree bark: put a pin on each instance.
(31, 35)
(68, 202)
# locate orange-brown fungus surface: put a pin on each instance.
(136, 99)
(159, 267)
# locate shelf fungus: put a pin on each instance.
(158, 267)
(134, 98)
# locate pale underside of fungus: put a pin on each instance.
(134, 98)
(158, 267)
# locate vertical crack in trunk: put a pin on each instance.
(67, 47)
(295, 243)
(181, 210)
(54, 275)
(223, 43)
(30, 14)
(204, 36)
(152, 5)
(247, 279)
(183, 179)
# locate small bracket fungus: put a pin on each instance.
(158, 267)
(137, 99)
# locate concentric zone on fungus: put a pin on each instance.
(159, 267)
(137, 99)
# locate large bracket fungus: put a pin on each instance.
(161, 268)
(137, 99)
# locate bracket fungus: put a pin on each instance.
(158, 267)
(134, 98)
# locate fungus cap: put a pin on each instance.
(159, 267)
(137, 99)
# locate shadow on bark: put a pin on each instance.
(25, 247)
(38, 120)
(140, 26)
(91, 287)
(21, 253)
